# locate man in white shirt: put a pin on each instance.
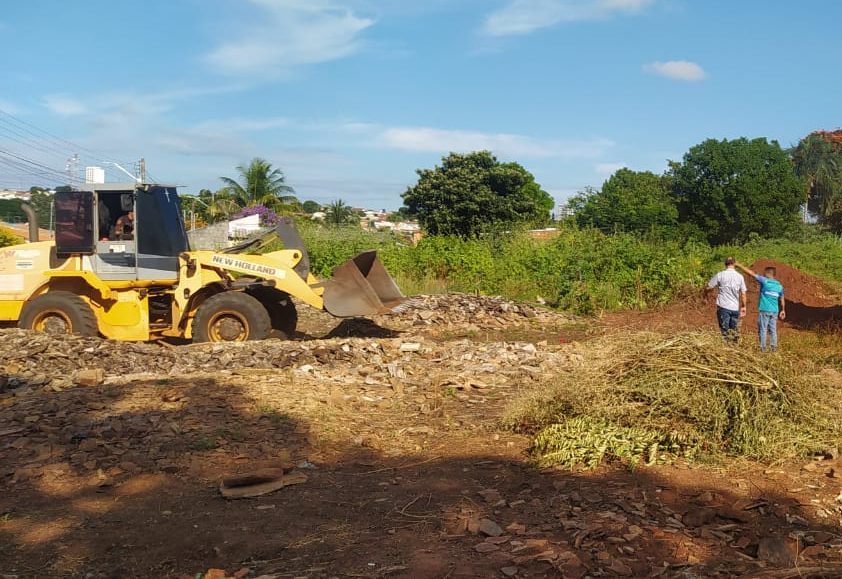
(730, 299)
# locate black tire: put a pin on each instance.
(231, 317)
(59, 312)
(281, 309)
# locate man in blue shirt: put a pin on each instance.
(771, 305)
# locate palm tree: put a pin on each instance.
(819, 163)
(222, 205)
(260, 184)
(338, 213)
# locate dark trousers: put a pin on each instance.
(728, 323)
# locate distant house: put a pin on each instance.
(547, 233)
(565, 210)
(373, 215)
(8, 194)
(409, 229)
(244, 226)
(223, 234)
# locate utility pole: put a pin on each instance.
(72, 168)
(142, 170)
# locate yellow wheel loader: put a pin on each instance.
(145, 284)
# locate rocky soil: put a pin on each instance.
(112, 455)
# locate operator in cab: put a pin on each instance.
(124, 227)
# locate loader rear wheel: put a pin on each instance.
(281, 310)
(59, 312)
(231, 317)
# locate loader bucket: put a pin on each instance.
(361, 287)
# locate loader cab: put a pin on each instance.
(85, 221)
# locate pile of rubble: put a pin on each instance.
(40, 359)
(61, 394)
(33, 359)
(401, 418)
(453, 310)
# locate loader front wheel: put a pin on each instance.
(231, 317)
(59, 312)
(282, 312)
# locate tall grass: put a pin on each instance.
(583, 271)
(579, 270)
(808, 250)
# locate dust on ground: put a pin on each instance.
(111, 457)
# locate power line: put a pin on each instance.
(57, 143)
(27, 165)
(50, 149)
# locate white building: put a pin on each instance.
(243, 227)
(94, 175)
(11, 194)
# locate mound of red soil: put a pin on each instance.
(799, 287)
(808, 304)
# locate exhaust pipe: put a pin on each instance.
(32, 217)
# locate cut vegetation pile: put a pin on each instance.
(645, 397)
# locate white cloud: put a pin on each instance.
(237, 125)
(8, 108)
(146, 116)
(563, 193)
(609, 168)
(677, 70)
(64, 105)
(292, 33)
(129, 105)
(525, 16)
(423, 139)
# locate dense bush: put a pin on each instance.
(331, 246)
(810, 250)
(579, 270)
(8, 238)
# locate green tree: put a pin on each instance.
(195, 210)
(42, 202)
(205, 206)
(402, 214)
(223, 204)
(473, 193)
(260, 184)
(310, 206)
(338, 213)
(818, 161)
(633, 201)
(206, 197)
(11, 212)
(729, 190)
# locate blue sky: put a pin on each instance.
(350, 97)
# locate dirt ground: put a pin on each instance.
(391, 437)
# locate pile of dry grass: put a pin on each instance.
(644, 396)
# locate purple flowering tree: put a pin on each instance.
(268, 218)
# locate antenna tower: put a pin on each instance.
(72, 169)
